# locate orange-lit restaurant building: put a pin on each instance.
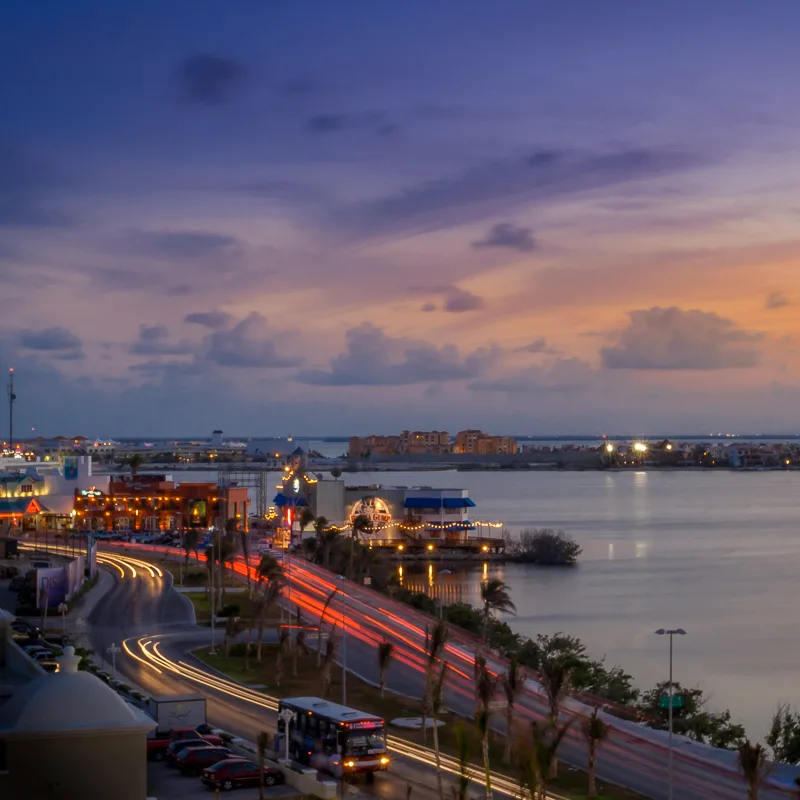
(152, 502)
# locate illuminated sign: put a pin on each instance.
(364, 726)
(296, 485)
(373, 508)
(91, 492)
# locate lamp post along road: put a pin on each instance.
(113, 650)
(671, 633)
(288, 716)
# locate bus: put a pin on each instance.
(335, 738)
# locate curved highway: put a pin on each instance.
(630, 757)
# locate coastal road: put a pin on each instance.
(155, 628)
(632, 757)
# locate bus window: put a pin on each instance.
(365, 741)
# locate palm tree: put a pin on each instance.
(306, 518)
(331, 648)
(485, 692)
(556, 675)
(326, 536)
(595, 730)
(190, 542)
(754, 766)
(261, 606)
(134, 462)
(321, 621)
(359, 525)
(262, 742)
(434, 646)
(283, 639)
(244, 539)
(385, 653)
(437, 696)
(536, 758)
(496, 598)
(513, 683)
(226, 551)
(268, 568)
(463, 740)
(231, 632)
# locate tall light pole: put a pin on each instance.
(340, 578)
(113, 650)
(442, 573)
(11, 398)
(671, 633)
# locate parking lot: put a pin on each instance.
(166, 783)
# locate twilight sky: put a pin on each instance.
(306, 216)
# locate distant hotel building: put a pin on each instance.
(473, 442)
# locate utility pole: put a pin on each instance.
(11, 398)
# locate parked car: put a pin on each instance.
(173, 748)
(192, 761)
(23, 626)
(236, 772)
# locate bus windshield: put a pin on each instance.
(363, 742)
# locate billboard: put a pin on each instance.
(91, 555)
(70, 468)
(51, 586)
(75, 576)
(374, 509)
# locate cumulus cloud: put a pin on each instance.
(500, 185)
(456, 300)
(371, 358)
(57, 341)
(675, 338)
(246, 344)
(504, 234)
(538, 346)
(210, 79)
(154, 340)
(775, 300)
(209, 319)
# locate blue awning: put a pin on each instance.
(423, 502)
(437, 502)
(458, 502)
(283, 501)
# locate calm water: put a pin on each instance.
(717, 553)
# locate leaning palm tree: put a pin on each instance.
(754, 766)
(595, 731)
(385, 653)
(485, 691)
(320, 625)
(331, 649)
(244, 539)
(306, 518)
(536, 756)
(496, 598)
(434, 647)
(513, 683)
(268, 568)
(463, 740)
(556, 674)
(359, 525)
(437, 697)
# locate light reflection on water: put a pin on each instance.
(717, 553)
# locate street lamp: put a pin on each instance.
(113, 650)
(441, 590)
(671, 633)
(340, 578)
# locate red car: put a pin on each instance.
(157, 743)
(193, 761)
(235, 772)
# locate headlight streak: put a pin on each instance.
(155, 659)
